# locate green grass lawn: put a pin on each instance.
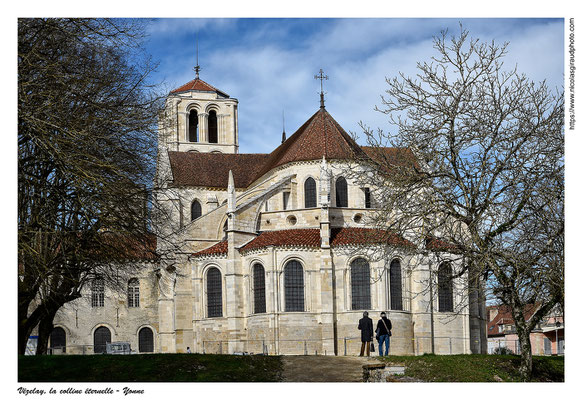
(229, 368)
(149, 368)
(477, 368)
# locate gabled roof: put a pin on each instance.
(504, 317)
(319, 136)
(311, 238)
(200, 86)
(211, 169)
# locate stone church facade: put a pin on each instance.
(270, 253)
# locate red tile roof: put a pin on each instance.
(434, 244)
(311, 238)
(211, 169)
(319, 136)
(217, 249)
(391, 157)
(198, 85)
(504, 317)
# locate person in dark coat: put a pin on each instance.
(366, 326)
(383, 333)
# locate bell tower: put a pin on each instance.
(201, 118)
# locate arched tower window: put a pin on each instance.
(193, 126)
(445, 287)
(101, 336)
(341, 192)
(98, 292)
(133, 293)
(310, 193)
(214, 292)
(146, 340)
(360, 277)
(195, 210)
(294, 294)
(395, 285)
(59, 339)
(259, 288)
(212, 127)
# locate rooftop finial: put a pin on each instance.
(284, 136)
(321, 77)
(197, 67)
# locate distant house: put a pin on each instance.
(547, 338)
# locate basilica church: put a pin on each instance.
(270, 253)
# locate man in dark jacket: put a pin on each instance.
(383, 333)
(366, 326)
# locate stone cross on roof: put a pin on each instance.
(321, 77)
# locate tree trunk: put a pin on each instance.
(45, 328)
(525, 367)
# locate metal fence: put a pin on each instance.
(346, 346)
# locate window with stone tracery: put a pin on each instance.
(360, 278)
(214, 293)
(445, 287)
(259, 289)
(294, 287)
(133, 293)
(395, 285)
(98, 292)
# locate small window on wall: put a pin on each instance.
(195, 210)
(212, 127)
(193, 126)
(368, 198)
(286, 200)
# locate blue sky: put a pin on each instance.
(269, 64)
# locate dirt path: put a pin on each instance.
(324, 368)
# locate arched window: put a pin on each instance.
(445, 287)
(101, 336)
(310, 193)
(59, 339)
(214, 292)
(193, 126)
(146, 340)
(133, 293)
(395, 285)
(195, 210)
(98, 292)
(212, 127)
(294, 295)
(259, 288)
(341, 192)
(360, 277)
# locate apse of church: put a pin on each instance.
(271, 252)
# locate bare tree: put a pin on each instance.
(86, 158)
(482, 176)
